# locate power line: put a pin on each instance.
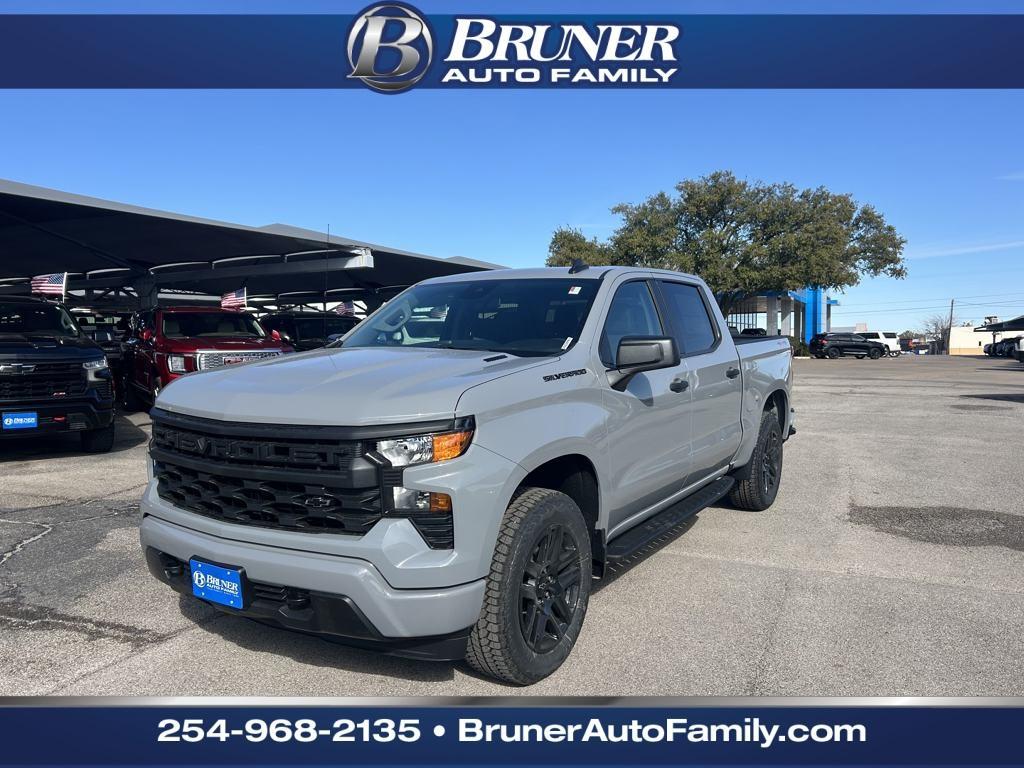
(937, 298)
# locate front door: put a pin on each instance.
(649, 422)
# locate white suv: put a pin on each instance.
(889, 338)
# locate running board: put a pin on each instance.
(634, 541)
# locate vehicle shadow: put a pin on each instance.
(128, 436)
(999, 397)
(316, 651)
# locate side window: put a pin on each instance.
(632, 313)
(695, 332)
(857, 338)
(870, 335)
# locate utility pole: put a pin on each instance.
(949, 329)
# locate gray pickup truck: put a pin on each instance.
(447, 481)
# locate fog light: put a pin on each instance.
(410, 500)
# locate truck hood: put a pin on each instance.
(219, 343)
(40, 346)
(343, 387)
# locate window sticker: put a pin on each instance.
(568, 341)
(574, 290)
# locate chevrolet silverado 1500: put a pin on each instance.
(451, 489)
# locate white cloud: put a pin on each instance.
(1015, 176)
(931, 252)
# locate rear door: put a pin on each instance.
(713, 374)
(648, 422)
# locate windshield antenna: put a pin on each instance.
(578, 265)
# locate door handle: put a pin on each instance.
(732, 373)
(679, 385)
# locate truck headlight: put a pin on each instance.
(176, 363)
(96, 370)
(423, 449)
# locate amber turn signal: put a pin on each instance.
(451, 445)
(440, 502)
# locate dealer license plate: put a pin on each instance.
(215, 583)
(20, 420)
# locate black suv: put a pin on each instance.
(835, 345)
(308, 330)
(53, 378)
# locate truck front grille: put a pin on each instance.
(45, 381)
(269, 504)
(240, 451)
(286, 477)
(206, 361)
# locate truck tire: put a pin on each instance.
(98, 440)
(874, 354)
(130, 399)
(757, 486)
(537, 590)
(833, 354)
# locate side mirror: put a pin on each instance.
(637, 354)
(147, 334)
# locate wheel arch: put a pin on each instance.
(779, 402)
(575, 475)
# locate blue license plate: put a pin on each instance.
(216, 583)
(20, 421)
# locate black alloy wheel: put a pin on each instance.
(771, 463)
(550, 590)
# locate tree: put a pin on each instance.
(745, 237)
(910, 334)
(936, 329)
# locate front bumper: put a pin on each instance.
(343, 598)
(73, 416)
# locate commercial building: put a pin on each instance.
(798, 314)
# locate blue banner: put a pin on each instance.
(393, 47)
(169, 734)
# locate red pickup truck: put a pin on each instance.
(168, 342)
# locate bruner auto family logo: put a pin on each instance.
(199, 578)
(391, 49)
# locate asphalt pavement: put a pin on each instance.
(891, 564)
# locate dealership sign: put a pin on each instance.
(391, 49)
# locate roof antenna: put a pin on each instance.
(578, 265)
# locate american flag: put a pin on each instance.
(50, 284)
(346, 309)
(233, 300)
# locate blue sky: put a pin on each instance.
(491, 174)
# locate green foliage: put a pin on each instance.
(800, 348)
(745, 237)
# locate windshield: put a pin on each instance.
(192, 325)
(521, 317)
(36, 320)
(322, 327)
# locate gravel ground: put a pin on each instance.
(890, 565)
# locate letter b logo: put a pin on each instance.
(390, 47)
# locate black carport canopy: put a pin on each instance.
(1017, 324)
(107, 246)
